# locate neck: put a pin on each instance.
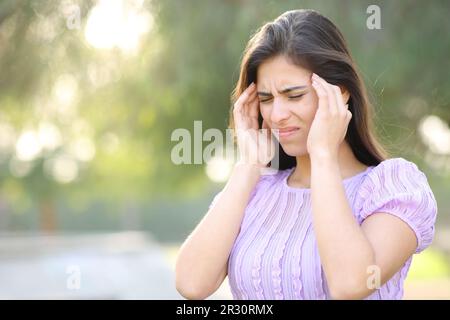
(348, 164)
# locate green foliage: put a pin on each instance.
(188, 62)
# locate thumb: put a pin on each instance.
(265, 126)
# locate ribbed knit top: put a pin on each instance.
(275, 255)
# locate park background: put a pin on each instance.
(91, 205)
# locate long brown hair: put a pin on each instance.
(312, 41)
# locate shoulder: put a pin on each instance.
(395, 175)
(395, 168)
(397, 186)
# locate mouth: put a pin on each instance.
(287, 132)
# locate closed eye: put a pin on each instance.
(292, 97)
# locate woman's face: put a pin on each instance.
(293, 111)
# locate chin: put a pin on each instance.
(295, 150)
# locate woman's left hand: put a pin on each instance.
(331, 121)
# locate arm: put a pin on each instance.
(202, 261)
(347, 250)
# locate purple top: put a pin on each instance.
(275, 254)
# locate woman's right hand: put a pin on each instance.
(256, 146)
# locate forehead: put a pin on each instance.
(280, 72)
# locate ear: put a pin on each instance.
(345, 94)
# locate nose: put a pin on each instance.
(279, 112)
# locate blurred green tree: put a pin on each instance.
(87, 113)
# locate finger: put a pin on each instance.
(336, 91)
(265, 126)
(253, 109)
(321, 94)
(342, 107)
(251, 101)
(243, 97)
(332, 104)
(349, 115)
(268, 132)
(251, 97)
(272, 131)
(253, 105)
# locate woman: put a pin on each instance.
(338, 220)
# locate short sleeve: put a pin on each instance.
(396, 186)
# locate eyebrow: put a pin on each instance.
(283, 91)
